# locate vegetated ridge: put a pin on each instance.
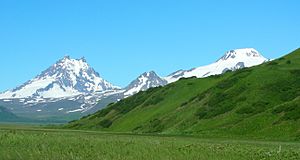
(258, 102)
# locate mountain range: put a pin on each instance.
(71, 88)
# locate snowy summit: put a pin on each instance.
(232, 60)
(67, 77)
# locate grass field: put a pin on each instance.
(30, 142)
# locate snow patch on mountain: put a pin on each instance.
(232, 60)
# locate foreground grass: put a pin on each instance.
(35, 143)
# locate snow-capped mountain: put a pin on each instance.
(232, 60)
(68, 87)
(71, 88)
(143, 82)
(67, 77)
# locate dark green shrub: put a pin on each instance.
(209, 111)
(201, 96)
(219, 110)
(76, 125)
(86, 116)
(183, 104)
(153, 100)
(136, 129)
(201, 113)
(260, 104)
(272, 63)
(246, 110)
(183, 78)
(241, 99)
(101, 113)
(217, 98)
(226, 83)
(105, 123)
(244, 72)
(228, 71)
(291, 111)
(295, 72)
(254, 108)
(110, 104)
(154, 126)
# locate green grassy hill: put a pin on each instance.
(259, 102)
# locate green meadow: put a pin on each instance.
(32, 142)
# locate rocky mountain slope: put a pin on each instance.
(143, 82)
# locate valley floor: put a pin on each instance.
(32, 142)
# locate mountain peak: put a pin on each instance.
(143, 82)
(243, 52)
(66, 57)
(82, 59)
(67, 77)
(68, 64)
(148, 74)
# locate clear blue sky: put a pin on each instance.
(122, 39)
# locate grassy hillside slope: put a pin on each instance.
(258, 102)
